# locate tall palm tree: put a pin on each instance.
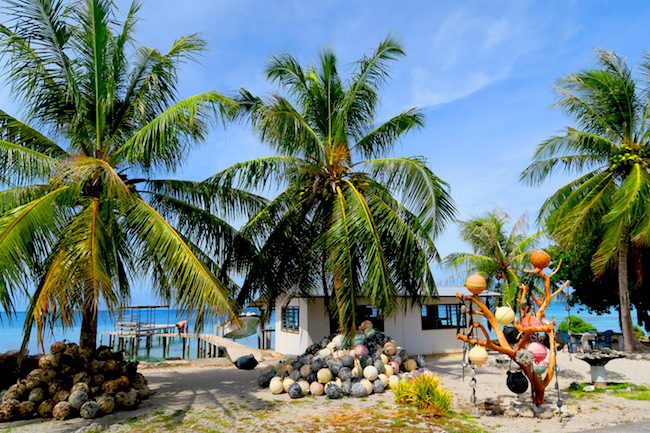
(82, 214)
(349, 220)
(498, 252)
(610, 149)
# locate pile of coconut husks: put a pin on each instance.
(336, 367)
(71, 382)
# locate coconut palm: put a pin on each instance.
(498, 252)
(349, 220)
(610, 150)
(83, 213)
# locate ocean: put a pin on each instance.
(11, 335)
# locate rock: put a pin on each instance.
(89, 409)
(511, 412)
(91, 428)
(589, 388)
(545, 412)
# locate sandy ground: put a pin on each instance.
(212, 399)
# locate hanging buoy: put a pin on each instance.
(540, 259)
(538, 350)
(504, 315)
(517, 382)
(475, 283)
(511, 334)
(478, 355)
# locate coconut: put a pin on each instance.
(45, 408)
(96, 366)
(110, 366)
(540, 259)
(47, 375)
(393, 381)
(138, 378)
(36, 375)
(410, 364)
(345, 373)
(80, 386)
(370, 373)
(25, 409)
(316, 388)
(48, 361)
(358, 390)
(36, 395)
(110, 386)
(55, 387)
(378, 386)
(89, 409)
(143, 391)
(106, 403)
(62, 410)
(77, 398)
(61, 395)
(286, 383)
(12, 395)
(127, 400)
(8, 409)
(82, 377)
(57, 347)
(294, 390)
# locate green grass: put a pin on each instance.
(625, 390)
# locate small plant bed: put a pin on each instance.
(625, 390)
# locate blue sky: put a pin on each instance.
(482, 71)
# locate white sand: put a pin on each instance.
(226, 399)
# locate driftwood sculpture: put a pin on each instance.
(536, 362)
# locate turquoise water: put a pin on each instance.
(10, 337)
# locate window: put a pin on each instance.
(441, 316)
(289, 319)
(372, 313)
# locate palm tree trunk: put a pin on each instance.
(630, 342)
(88, 334)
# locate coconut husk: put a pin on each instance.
(62, 410)
(45, 408)
(25, 409)
(110, 386)
(124, 382)
(8, 409)
(61, 395)
(106, 403)
(37, 395)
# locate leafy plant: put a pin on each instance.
(610, 150)
(425, 392)
(499, 252)
(639, 332)
(83, 212)
(575, 324)
(350, 220)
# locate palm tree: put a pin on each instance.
(82, 214)
(349, 219)
(498, 252)
(610, 149)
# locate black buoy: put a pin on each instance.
(517, 382)
(511, 334)
(246, 362)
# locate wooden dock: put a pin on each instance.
(209, 345)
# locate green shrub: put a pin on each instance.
(576, 324)
(638, 331)
(425, 392)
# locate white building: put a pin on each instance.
(425, 330)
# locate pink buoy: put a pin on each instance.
(530, 321)
(538, 350)
(360, 351)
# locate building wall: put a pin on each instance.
(404, 326)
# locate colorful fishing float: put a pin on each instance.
(528, 340)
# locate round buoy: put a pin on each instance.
(286, 383)
(370, 373)
(324, 375)
(366, 324)
(294, 391)
(538, 350)
(475, 283)
(504, 315)
(276, 386)
(517, 382)
(316, 388)
(478, 355)
(393, 381)
(540, 259)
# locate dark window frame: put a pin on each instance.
(441, 316)
(290, 319)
